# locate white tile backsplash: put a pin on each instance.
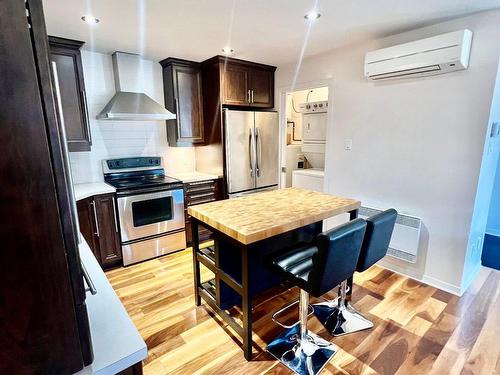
(114, 139)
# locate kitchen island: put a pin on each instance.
(248, 232)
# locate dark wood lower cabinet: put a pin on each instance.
(99, 227)
(132, 370)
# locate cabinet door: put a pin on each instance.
(107, 230)
(87, 222)
(73, 97)
(189, 107)
(261, 84)
(235, 84)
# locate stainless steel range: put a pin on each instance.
(150, 207)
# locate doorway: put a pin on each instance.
(490, 256)
(304, 140)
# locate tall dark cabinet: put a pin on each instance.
(182, 84)
(66, 55)
(44, 327)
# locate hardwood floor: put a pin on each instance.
(418, 329)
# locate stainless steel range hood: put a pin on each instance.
(130, 103)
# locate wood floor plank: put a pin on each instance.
(418, 329)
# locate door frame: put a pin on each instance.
(309, 85)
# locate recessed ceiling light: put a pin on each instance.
(90, 19)
(227, 50)
(312, 15)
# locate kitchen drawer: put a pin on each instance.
(200, 186)
(205, 197)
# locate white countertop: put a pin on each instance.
(83, 191)
(193, 176)
(116, 342)
(310, 172)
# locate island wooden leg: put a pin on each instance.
(352, 215)
(246, 305)
(196, 265)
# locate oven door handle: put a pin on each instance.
(159, 189)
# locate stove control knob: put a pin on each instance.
(320, 105)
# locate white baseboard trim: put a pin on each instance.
(447, 287)
(470, 279)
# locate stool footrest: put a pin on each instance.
(275, 316)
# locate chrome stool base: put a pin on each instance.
(339, 318)
(304, 357)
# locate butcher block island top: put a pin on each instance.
(259, 216)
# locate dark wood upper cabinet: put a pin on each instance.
(261, 84)
(182, 83)
(243, 83)
(99, 227)
(66, 54)
(236, 90)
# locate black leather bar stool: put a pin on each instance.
(315, 269)
(338, 317)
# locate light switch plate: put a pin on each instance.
(495, 130)
(348, 144)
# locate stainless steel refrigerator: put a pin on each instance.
(252, 144)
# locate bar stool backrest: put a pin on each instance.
(378, 235)
(337, 256)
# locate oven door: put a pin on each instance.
(147, 214)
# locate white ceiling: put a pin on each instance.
(269, 31)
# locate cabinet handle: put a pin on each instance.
(95, 218)
(252, 96)
(249, 100)
(114, 214)
(91, 287)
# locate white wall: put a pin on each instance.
(417, 143)
(112, 139)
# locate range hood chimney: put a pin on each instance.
(129, 102)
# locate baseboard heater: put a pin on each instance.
(406, 235)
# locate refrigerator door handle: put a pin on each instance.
(258, 147)
(250, 153)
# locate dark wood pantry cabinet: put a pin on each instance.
(99, 226)
(182, 84)
(44, 324)
(65, 53)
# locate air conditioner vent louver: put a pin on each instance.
(436, 55)
(405, 238)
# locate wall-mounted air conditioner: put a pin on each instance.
(436, 55)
